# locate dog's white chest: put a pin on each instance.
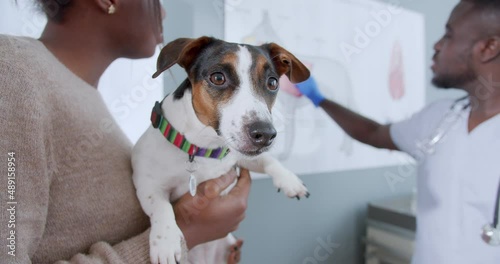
(204, 169)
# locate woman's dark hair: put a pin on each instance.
(54, 9)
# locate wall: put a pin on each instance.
(327, 227)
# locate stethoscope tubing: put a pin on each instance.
(496, 216)
(491, 231)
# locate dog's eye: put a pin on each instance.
(217, 78)
(272, 83)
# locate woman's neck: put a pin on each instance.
(86, 54)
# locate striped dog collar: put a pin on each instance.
(179, 140)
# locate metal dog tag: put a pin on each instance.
(192, 185)
(191, 167)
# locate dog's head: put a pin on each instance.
(233, 86)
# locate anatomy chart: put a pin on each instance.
(366, 55)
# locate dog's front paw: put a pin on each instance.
(291, 185)
(165, 247)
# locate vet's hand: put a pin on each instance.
(310, 89)
(235, 252)
(208, 216)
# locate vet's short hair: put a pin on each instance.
(486, 5)
(490, 11)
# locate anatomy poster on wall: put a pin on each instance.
(366, 55)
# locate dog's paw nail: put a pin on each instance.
(298, 198)
(308, 194)
(279, 189)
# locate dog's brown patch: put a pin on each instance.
(259, 69)
(230, 58)
(259, 74)
(207, 98)
(204, 106)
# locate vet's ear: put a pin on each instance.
(286, 63)
(488, 49)
(182, 51)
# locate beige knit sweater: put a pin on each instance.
(74, 199)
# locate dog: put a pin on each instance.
(218, 118)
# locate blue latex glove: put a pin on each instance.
(310, 89)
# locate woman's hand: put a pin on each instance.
(208, 216)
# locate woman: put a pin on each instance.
(70, 190)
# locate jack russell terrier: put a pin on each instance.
(218, 118)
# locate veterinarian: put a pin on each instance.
(455, 142)
(67, 191)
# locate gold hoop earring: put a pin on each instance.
(111, 9)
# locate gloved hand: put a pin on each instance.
(310, 89)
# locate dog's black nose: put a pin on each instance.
(262, 134)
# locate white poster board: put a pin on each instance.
(366, 55)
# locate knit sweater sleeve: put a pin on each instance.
(26, 134)
(25, 194)
(133, 250)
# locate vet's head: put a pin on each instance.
(234, 86)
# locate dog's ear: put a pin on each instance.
(286, 63)
(182, 51)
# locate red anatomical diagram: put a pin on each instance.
(396, 73)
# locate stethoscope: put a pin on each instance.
(448, 122)
(491, 231)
